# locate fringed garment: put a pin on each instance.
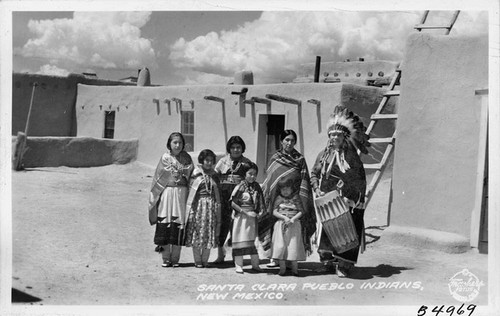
(203, 209)
(287, 241)
(231, 172)
(251, 200)
(345, 164)
(167, 198)
(285, 166)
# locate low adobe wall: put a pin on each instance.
(53, 111)
(77, 151)
(436, 155)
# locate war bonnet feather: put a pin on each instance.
(351, 126)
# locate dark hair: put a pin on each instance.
(235, 140)
(287, 182)
(293, 183)
(171, 137)
(252, 165)
(204, 154)
(286, 133)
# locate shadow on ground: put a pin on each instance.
(357, 273)
(47, 170)
(381, 271)
(373, 233)
(21, 297)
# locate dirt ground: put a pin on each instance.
(81, 236)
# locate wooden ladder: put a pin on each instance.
(380, 167)
(422, 26)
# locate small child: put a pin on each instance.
(247, 201)
(203, 208)
(287, 243)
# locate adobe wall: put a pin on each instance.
(357, 72)
(438, 131)
(77, 151)
(139, 116)
(53, 105)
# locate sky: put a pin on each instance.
(208, 47)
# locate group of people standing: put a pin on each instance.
(206, 205)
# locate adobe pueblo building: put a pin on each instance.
(439, 165)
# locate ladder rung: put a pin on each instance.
(428, 27)
(372, 166)
(391, 93)
(381, 140)
(384, 116)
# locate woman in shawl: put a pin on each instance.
(231, 169)
(287, 164)
(167, 200)
(203, 208)
(339, 167)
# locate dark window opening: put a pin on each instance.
(187, 129)
(109, 124)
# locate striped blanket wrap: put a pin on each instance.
(282, 167)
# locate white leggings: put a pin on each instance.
(171, 253)
(201, 255)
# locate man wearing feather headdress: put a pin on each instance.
(339, 167)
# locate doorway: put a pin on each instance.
(268, 142)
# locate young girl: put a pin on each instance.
(167, 200)
(231, 169)
(247, 202)
(203, 209)
(287, 243)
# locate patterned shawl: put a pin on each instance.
(287, 166)
(257, 197)
(165, 172)
(294, 201)
(224, 168)
(198, 178)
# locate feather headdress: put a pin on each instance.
(351, 126)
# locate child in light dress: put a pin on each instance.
(287, 243)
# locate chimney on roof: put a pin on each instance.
(243, 77)
(317, 68)
(144, 78)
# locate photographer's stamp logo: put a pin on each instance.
(464, 286)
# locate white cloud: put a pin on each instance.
(197, 78)
(52, 70)
(275, 45)
(92, 39)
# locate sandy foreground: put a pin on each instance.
(81, 236)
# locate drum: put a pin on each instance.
(333, 213)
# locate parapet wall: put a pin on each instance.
(436, 156)
(357, 72)
(77, 151)
(54, 100)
